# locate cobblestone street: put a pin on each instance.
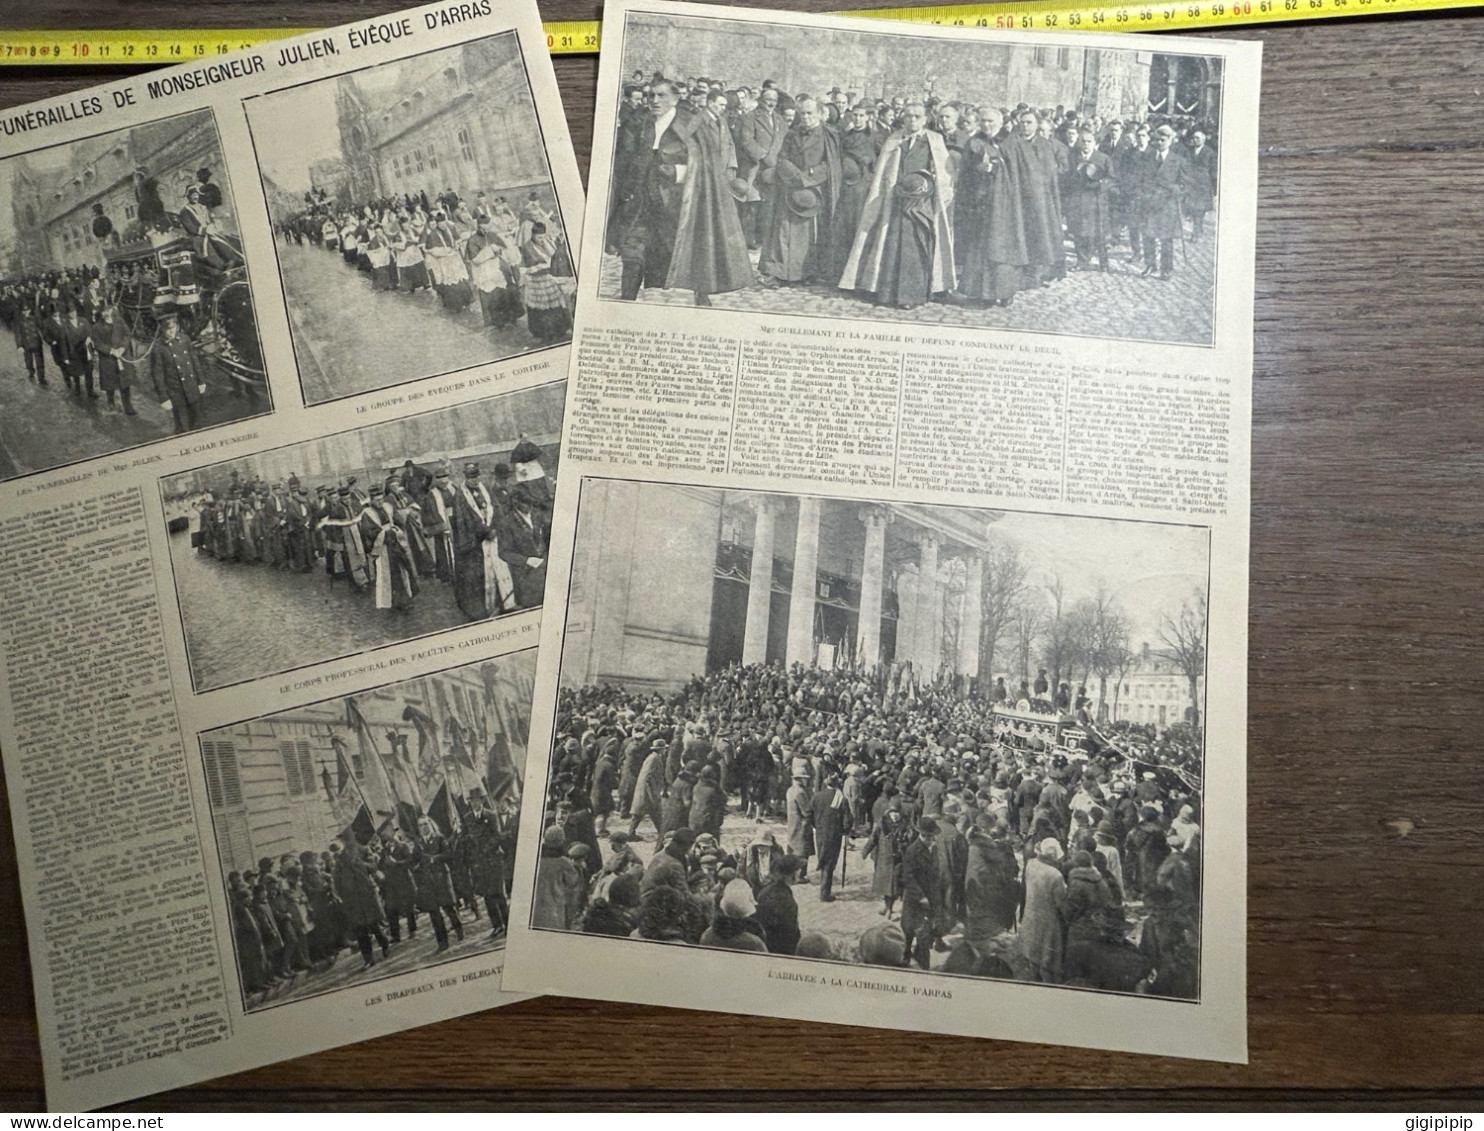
(416, 953)
(349, 338)
(1116, 304)
(246, 621)
(854, 908)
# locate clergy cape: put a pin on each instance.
(1024, 215)
(863, 270)
(710, 254)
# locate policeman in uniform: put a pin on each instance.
(178, 374)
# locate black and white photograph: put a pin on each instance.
(339, 545)
(415, 219)
(370, 835)
(882, 174)
(962, 740)
(125, 294)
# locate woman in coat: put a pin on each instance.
(1041, 932)
(888, 840)
(676, 809)
(708, 805)
(991, 882)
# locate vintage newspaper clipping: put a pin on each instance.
(898, 677)
(283, 384)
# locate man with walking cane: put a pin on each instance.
(831, 813)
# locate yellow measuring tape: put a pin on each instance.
(580, 37)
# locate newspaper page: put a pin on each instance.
(902, 546)
(286, 338)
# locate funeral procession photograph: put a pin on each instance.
(878, 174)
(415, 219)
(125, 295)
(958, 740)
(369, 835)
(332, 547)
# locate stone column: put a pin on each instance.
(760, 581)
(873, 566)
(929, 606)
(971, 615)
(806, 584)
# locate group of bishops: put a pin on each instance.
(489, 541)
(515, 263)
(901, 202)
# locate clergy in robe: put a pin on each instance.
(903, 253)
(393, 579)
(710, 254)
(482, 585)
(1020, 242)
(655, 192)
(798, 247)
(859, 145)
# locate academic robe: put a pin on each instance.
(710, 253)
(903, 252)
(482, 584)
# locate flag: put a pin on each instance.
(440, 812)
(401, 785)
(500, 774)
(360, 827)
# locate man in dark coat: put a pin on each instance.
(656, 189)
(1086, 190)
(525, 533)
(28, 340)
(1024, 233)
(708, 803)
(922, 894)
(605, 780)
(799, 248)
(710, 254)
(1167, 177)
(831, 816)
(777, 909)
(1200, 194)
(760, 137)
(178, 374)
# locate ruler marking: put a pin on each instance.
(159, 47)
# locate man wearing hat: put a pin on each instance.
(799, 836)
(482, 583)
(1167, 177)
(176, 371)
(649, 789)
(437, 513)
(830, 816)
(799, 247)
(922, 893)
(524, 526)
(903, 252)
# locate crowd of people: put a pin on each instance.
(294, 915)
(509, 265)
(900, 201)
(417, 526)
(109, 329)
(1004, 852)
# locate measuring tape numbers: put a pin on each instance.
(582, 37)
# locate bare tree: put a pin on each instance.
(1184, 637)
(1123, 663)
(1061, 647)
(1105, 638)
(1028, 620)
(1004, 581)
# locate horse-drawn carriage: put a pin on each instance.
(204, 284)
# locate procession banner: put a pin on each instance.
(904, 507)
(282, 418)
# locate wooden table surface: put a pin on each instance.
(1366, 890)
